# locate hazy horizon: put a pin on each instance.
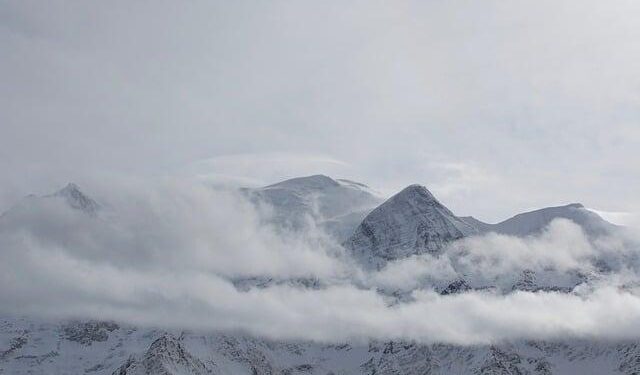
(496, 107)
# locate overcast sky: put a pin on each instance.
(496, 106)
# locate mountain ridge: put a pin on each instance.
(412, 222)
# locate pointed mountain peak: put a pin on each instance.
(69, 190)
(166, 355)
(411, 222)
(415, 192)
(77, 199)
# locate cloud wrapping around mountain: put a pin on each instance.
(166, 255)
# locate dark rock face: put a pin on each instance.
(248, 283)
(166, 356)
(501, 362)
(86, 333)
(402, 358)
(14, 345)
(458, 286)
(77, 199)
(249, 353)
(526, 282)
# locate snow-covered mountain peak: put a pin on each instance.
(415, 194)
(315, 182)
(70, 195)
(76, 198)
(337, 205)
(575, 205)
(411, 222)
(533, 222)
(70, 189)
(166, 355)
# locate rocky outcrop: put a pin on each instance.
(166, 356)
(411, 222)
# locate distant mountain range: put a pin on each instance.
(374, 231)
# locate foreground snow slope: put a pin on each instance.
(90, 347)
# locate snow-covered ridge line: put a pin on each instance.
(412, 235)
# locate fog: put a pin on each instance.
(167, 253)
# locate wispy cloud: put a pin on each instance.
(265, 168)
(165, 254)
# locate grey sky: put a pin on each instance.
(495, 106)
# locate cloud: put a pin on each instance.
(563, 246)
(561, 256)
(629, 219)
(184, 226)
(411, 273)
(499, 105)
(265, 168)
(166, 254)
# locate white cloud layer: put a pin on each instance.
(164, 254)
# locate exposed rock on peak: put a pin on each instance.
(411, 222)
(70, 195)
(70, 189)
(166, 356)
(414, 192)
(76, 198)
(457, 286)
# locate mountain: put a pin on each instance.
(414, 222)
(534, 222)
(411, 222)
(335, 205)
(32, 208)
(165, 356)
(76, 199)
(33, 347)
(70, 196)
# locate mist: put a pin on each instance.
(169, 253)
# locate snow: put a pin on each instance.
(45, 349)
(533, 222)
(337, 206)
(411, 222)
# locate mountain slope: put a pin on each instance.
(411, 222)
(37, 348)
(165, 356)
(335, 205)
(76, 199)
(533, 222)
(70, 197)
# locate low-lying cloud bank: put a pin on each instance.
(168, 255)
